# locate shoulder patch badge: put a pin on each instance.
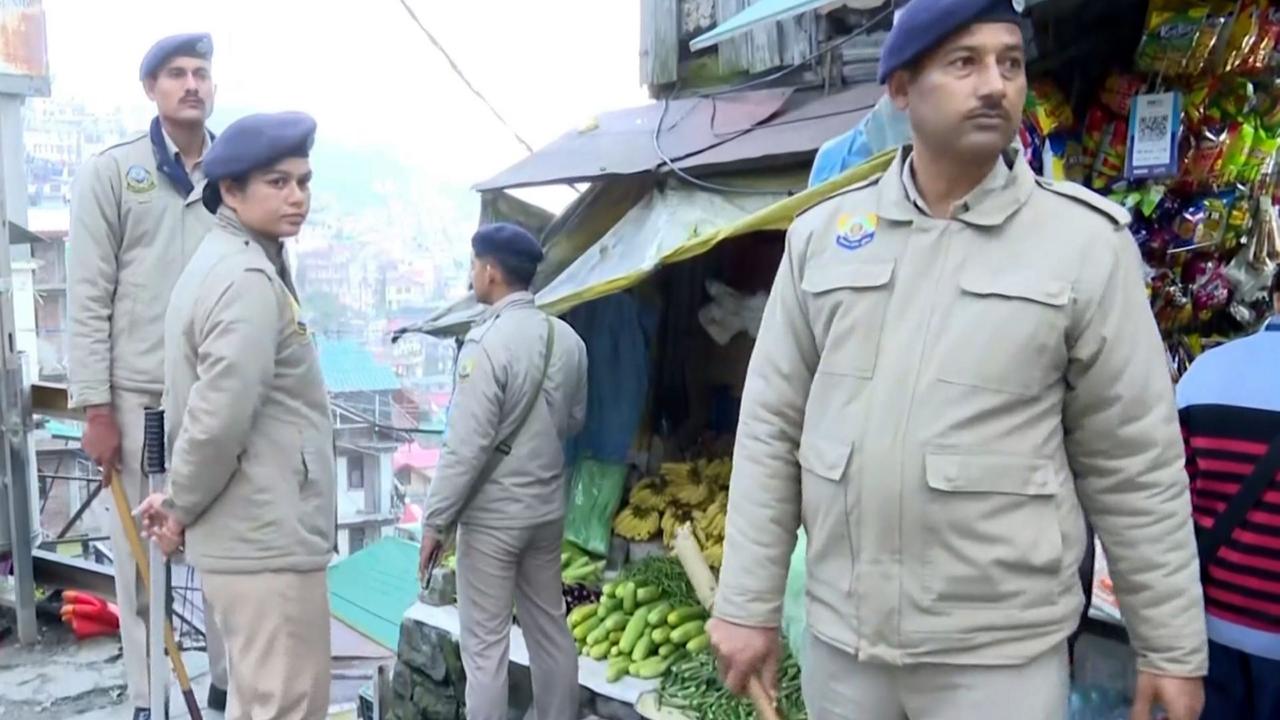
(855, 231)
(139, 180)
(465, 368)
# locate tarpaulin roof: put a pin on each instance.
(678, 225)
(657, 226)
(370, 590)
(621, 142)
(761, 12)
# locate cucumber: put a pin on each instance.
(644, 647)
(609, 606)
(667, 650)
(616, 621)
(661, 634)
(615, 636)
(687, 632)
(581, 613)
(685, 614)
(615, 651)
(635, 628)
(600, 634)
(629, 597)
(607, 591)
(651, 668)
(617, 668)
(585, 628)
(699, 643)
(600, 650)
(658, 615)
(647, 594)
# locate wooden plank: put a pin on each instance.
(764, 42)
(799, 38)
(659, 41)
(734, 53)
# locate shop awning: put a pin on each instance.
(683, 222)
(762, 11)
(658, 226)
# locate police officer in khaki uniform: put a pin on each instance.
(251, 479)
(521, 393)
(136, 218)
(957, 365)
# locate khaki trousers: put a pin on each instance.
(131, 597)
(838, 687)
(499, 567)
(276, 626)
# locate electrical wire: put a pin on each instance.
(714, 187)
(462, 76)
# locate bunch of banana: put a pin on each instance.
(648, 495)
(672, 518)
(691, 493)
(714, 555)
(678, 472)
(636, 524)
(716, 472)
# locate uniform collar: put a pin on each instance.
(522, 299)
(1005, 189)
(176, 154)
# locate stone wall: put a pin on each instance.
(428, 682)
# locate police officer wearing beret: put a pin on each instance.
(958, 365)
(136, 218)
(251, 477)
(521, 393)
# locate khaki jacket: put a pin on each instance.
(251, 473)
(498, 370)
(131, 233)
(940, 403)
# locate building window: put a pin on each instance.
(355, 473)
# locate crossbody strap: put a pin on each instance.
(504, 447)
(1252, 489)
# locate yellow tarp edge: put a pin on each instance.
(778, 216)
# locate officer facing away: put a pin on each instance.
(251, 479)
(956, 366)
(136, 218)
(521, 392)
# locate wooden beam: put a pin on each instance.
(734, 53)
(659, 41)
(799, 37)
(765, 43)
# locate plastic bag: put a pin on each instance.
(793, 612)
(594, 497)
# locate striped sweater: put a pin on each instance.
(1229, 405)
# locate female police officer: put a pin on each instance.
(251, 482)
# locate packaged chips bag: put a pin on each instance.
(1170, 35)
(1243, 31)
(1258, 57)
(1047, 108)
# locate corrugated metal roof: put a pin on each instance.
(370, 590)
(721, 132)
(350, 367)
(621, 142)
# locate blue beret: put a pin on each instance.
(196, 45)
(922, 24)
(254, 142)
(505, 240)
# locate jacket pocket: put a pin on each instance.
(1006, 332)
(992, 534)
(827, 510)
(847, 304)
(317, 509)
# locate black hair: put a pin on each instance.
(517, 273)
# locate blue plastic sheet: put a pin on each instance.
(883, 128)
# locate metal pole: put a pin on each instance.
(153, 455)
(15, 405)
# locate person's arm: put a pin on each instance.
(1124, 446)
(764, 495)
(472, 433)
(235, 362)
(92, 272)
(578, 397)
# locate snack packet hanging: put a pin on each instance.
(1047, 108)
(1207, 37)
(1095, 124)
(1204, 160)
(1240, 139)
(1232, 98)
(1239, 219)
(1260, 161)
(1119, 90)
(1170, 35)
(1258, 57)
(1108, 167)
(1195, 100)
(1240, 37)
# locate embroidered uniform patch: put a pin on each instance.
(139, 180)
(855, 231)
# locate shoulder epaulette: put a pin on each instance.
(859, 185)
(1084, 196)
(122, 143)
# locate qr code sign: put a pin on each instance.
(1153, 128)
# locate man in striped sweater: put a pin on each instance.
(1229, 405)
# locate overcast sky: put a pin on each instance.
(368, 74)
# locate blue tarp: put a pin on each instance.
(616, 330)
(883, 128)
